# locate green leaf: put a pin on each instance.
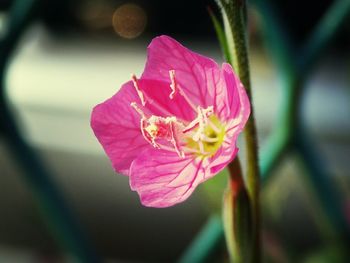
(221, 35)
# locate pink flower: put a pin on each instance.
(176, 126)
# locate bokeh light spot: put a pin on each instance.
(129, 21)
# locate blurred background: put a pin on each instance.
(75, 54)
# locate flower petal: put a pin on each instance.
(236, 114)
(237, 99)
(197, 75)
(163, 179)
(223, 156)
(117, 127)
(157, 97)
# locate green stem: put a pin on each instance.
(234, 20)
(237, 217)
(284, 55)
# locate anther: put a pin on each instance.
(175, 142)
(213, 126)
(138, 110)
(173, 85)
(208, 139)
(139, 92)
(201, 147)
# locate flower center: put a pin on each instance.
(202, 137)
(211, 137)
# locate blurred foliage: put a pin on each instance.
(213, 191)
(329, 254)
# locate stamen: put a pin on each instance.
(143, 97)
(139, 92)
(155, 127)
(203, 115)
(208, 139)
(213, 126)
(175, 86)
(144, 124)
(149, 140)
(193, 124)
(152, 129)
(201, 147)
(174, 141)
(138, 109)
(193, 150)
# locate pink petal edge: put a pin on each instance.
(117, 127)
(237, 98)
(197, 75)
(163, 179)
